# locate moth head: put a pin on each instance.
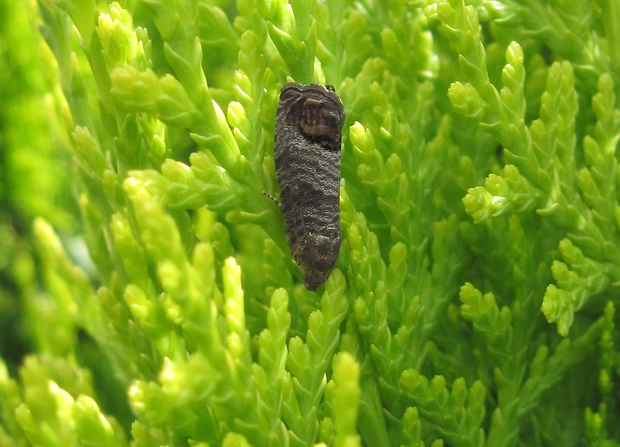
(308, 97)
(315, 109)
(320, 119)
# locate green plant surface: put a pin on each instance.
(473, 301)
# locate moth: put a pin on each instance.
(307, 140)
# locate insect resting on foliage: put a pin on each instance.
(307, 156)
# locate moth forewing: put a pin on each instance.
(308, 134)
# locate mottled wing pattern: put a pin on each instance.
(307, 156)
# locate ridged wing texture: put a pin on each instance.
(307, 156)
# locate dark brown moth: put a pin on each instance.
(307, 155)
